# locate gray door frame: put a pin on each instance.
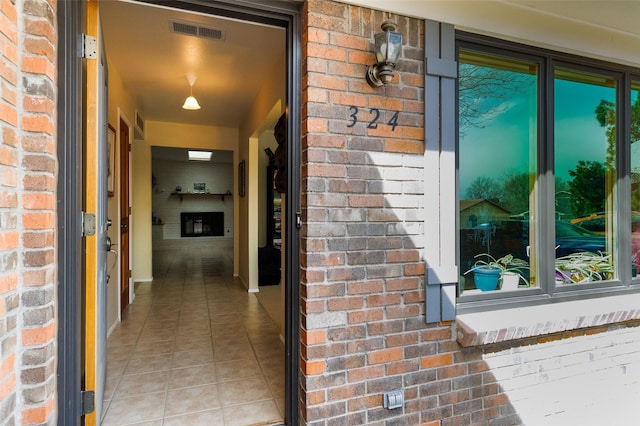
(70, 16)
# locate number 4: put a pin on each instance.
(393, 122)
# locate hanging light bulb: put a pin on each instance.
(191, 103)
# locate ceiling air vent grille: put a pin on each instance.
(139, 127)
(188, 28)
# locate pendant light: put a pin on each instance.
(191, 103)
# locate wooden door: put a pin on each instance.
(125, 214)
(95, 224)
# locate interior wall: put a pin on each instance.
(142, 265)
(188, 136)
(265, 111)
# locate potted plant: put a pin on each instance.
(583, 267)
(488, 273)
(515, 272)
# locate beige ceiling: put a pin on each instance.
(153, 62)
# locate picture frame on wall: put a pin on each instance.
(111, 154)
(241, 178)
(199, 188)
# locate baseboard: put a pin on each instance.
(143, 280)
(113, 327)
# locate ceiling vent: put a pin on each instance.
(196, 30)
(138, 128)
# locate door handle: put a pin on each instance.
(108, 244)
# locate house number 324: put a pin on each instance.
(373, 116)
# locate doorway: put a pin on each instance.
(125, 214)
(167, 130)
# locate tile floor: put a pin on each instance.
(194, 348)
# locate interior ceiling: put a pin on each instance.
(181, 154)
(153, 62)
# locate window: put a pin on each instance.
(549, 195)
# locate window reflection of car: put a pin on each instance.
(596, 222)
(573, 239)
(503, 237)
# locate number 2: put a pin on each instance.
(372, 123)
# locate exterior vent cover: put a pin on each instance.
(196, 30)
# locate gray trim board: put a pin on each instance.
(441, 275)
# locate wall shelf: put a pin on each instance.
(200, 195)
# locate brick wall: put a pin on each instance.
(363, 328)
(27, 211)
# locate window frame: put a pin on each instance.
(547, 291)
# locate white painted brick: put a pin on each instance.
(571, 381)
(217, 177)
(326, 319)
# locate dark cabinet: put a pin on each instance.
(269, 255)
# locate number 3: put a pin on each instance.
(353, 115)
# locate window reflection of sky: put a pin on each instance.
(502, 145)
(578, 134)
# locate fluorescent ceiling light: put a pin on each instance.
(199, 155)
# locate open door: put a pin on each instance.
(95, 223)
(125, 214)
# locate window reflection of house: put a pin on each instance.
(475, 212)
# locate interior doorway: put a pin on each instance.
(134, 88)
(125, 214)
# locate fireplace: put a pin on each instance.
(202, 224)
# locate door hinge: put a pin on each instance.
(88, 401)
(130, 148)
(129, 210)
(89, 47)
(129, 273)
(88, 224)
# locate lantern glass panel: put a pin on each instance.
(381, 47)
(395, 43)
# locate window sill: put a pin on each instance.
(486, 328)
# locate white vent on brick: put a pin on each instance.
(196, 30)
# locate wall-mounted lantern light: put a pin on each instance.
(388, 45)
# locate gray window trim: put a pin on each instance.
(548, 293)
(441, 271)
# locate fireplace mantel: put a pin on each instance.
(200, 195)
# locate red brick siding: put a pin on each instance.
(363, 326)
(363, 301)
(27, 211)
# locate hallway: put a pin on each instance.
(194, 348)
